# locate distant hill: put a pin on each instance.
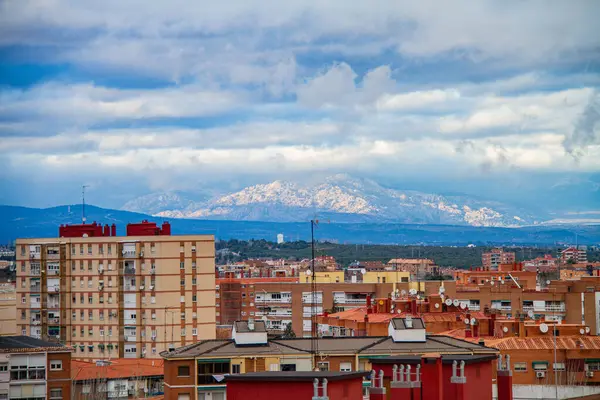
(18, 222)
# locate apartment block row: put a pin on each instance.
(116, 296)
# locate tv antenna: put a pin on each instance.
(83, 203)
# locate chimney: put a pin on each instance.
(113, 230)
(492, 326)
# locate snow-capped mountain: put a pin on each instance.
(339, 198)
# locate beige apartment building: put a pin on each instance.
(114, 296)
(8, 309)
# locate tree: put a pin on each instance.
(288, 333)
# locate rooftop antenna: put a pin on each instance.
(83, 203)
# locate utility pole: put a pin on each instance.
(314, 343)
(83, 203)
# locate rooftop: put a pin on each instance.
(367, 346)
(289, 376)
(9, 344)
(118, 368)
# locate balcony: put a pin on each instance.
(555, 308)
(501, 307)
(129, 253)
(528, 308)
(53, 305)
(474, 307)
(129, 288)
(53, 272)
(271, 300)
(352, 301)
(36, 320)
(35, 271)
(35, 288)
(274, 313)
(53, 289)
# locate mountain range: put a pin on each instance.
(339, 198)
(23, 222)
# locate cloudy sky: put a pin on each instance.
(133, 97)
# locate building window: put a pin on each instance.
(182, 299)
(81, 266)
(558, 366)
(56, 394)
(89, 249)
(323, 365)
(193, 264)
(22, 250)
(235, 368)
(101, 248)
(193, 281)
(90, 299)
(81, 249)
(182, 265)
(4, 367)
(23, 299)
(109, 248)
(182, 282)
(183, 315)
(520, 366)
(194, 331)
(183, 370)
(86, 389)
(55, 365)
(182, 331)
(194, 298)
(22, 266)
(89, 265)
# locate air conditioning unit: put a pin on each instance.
(589, 374)
(142, 287)
(154, 338)
(540, 374)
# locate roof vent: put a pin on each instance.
(407, 329)
(249, 333)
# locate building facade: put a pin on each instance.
(8, 309)
(114, 296)
(34, 369)
(493, 258)
(573, 255)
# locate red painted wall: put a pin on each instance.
(479, 382)
(350, 389)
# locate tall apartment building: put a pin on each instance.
(8, 309)
(493, 258)
(117, 296)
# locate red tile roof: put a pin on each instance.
(546, 343)
(119, 368)
(358, 314)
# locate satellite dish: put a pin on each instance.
(505, 329)
(363, 271)
(397, 290)
(543, 328)
(455, 302)
(547, 282)
(264, 318)
(530, 314)
(463, 305)
(587, 329)
(473, 321)
(399, 311)
(466, 321)
(502, 281)
(412, 291)
(492, 283)
(582, 331)
(442, 289)
(437, 305)
(308, 272)
(418, 297)
(448, 302)
(403, 292)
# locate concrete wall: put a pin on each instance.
(532, 392)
